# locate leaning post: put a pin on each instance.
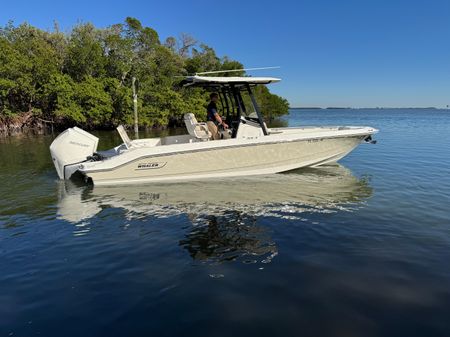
(136, 128)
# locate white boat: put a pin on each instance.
(249, 148)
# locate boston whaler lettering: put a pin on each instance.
(249, 148)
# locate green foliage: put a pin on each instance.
(61, 93)
(27, 62)
(84, 77)
(95, 101)
(228, 64)
(204, 59)
(85, 53)
(271, 105)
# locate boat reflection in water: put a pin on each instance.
(223, 214)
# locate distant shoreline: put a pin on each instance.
(377, 108)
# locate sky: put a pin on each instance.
(347, 53)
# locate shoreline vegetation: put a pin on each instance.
(51, 80)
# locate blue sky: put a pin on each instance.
(333, 53)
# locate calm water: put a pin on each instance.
(360, 249)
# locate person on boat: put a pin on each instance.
(213, 118)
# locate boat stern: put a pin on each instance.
(71, 148)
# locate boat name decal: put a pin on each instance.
(154, 165)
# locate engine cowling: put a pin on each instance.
(71, 147)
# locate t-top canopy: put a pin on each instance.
(207, 80)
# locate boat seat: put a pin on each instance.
(196, 129)
(123, 134)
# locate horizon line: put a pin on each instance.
(377, 107)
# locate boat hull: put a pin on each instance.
(226, 161)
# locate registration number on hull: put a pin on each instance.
(316, 140)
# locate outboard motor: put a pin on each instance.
(70, 148)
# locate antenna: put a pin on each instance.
(235, 70)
